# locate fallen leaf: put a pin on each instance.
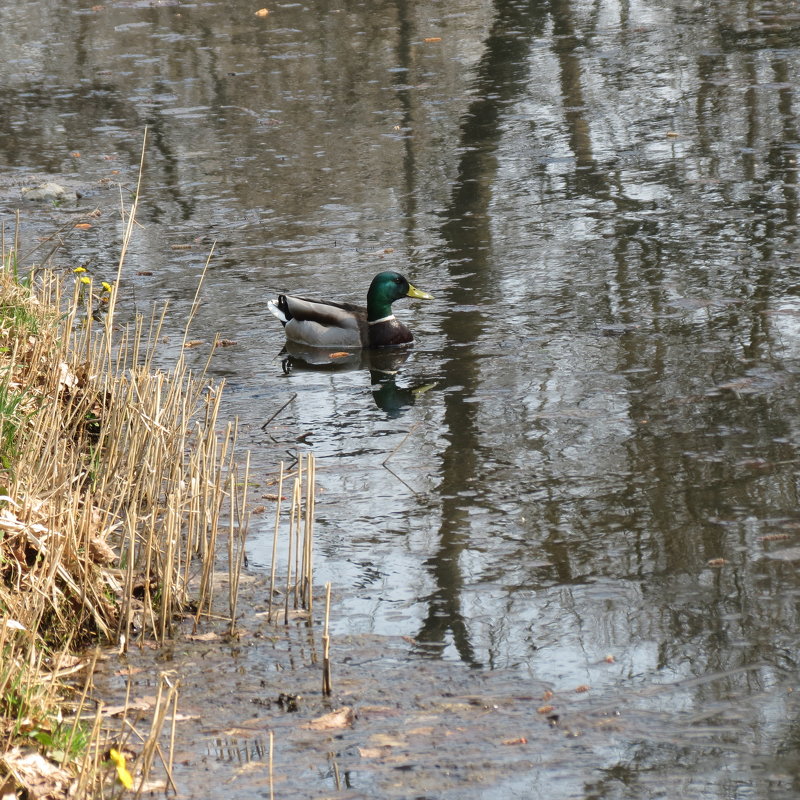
(373, 752)
(210, 636)
(262, 12)
(430, 39)
(101, 552)
(67, 379)
(75, 154)
(544, 709)
(84, 226)
(609, 659)
(774, 537)
(128, 671)
(39, 777)
(136, 705)
(193, 343)
(518, 740)
(547, 695)
(340, 354)
(717, 562)
(456, 708)
(582, 688)
(253, 766)
(341, 718)
(225, 343)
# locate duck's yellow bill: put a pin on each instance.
(418, 293)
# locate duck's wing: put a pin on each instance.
(321, 323)
(324, 312)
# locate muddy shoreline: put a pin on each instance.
(397, 725)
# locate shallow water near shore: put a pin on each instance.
(584, 474)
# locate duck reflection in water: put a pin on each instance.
(383, 365)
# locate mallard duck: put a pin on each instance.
(323, 323)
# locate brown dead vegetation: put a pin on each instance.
(113, 483)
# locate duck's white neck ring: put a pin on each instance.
(382, 319)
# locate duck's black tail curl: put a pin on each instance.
(283, 307)
(280, 308)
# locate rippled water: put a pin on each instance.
(603, 199)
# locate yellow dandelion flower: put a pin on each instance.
(85, 279)
(78, 270)
(106, 286)
(124, 777)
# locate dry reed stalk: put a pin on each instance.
(79, 710)
(297, 509)
(166, 698)
(88, 769)
(172, 732)
(300, 544)
(213, 509)
(231, 554)
(327, 685)
(308, 537)
(336, 776)
(271, 782)
(236, 539)
(292, 516)
(275, 545)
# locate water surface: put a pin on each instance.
(603, 199)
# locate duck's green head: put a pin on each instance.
(386, 287)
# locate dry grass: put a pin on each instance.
(300, 551)
(113, 485)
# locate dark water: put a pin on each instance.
(603, 199)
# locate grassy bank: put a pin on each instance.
(114, 481)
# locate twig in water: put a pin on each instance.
(292, 398)
(392, 454)
(405, 483)
(385, 461)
